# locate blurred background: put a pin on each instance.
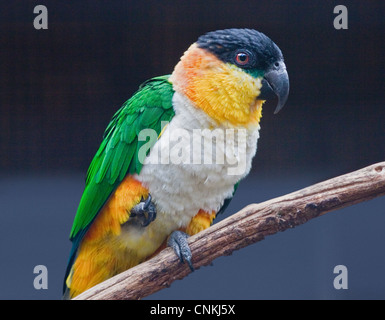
(60, 87)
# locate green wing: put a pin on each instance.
(118, 153)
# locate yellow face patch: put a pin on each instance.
(223, 91)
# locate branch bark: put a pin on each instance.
(253, 223)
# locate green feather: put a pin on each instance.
(129, 135)
(119, 158)
(130, 153)
(150, 116)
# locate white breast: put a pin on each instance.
(178, 171)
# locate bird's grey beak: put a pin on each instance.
(276, 82)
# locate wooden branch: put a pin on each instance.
(251, 224)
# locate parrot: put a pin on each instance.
(143, 192)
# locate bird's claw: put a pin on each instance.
(144, 211)
(178, 241)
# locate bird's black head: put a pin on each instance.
(256, 54)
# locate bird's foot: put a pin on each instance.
(144, 212)
(178, 241)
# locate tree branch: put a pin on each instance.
(251, 224)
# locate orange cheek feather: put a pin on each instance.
(223, 91)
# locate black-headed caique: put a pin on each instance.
(173, 155)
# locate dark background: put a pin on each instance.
(60, 87)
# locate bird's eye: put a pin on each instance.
(242, 58)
